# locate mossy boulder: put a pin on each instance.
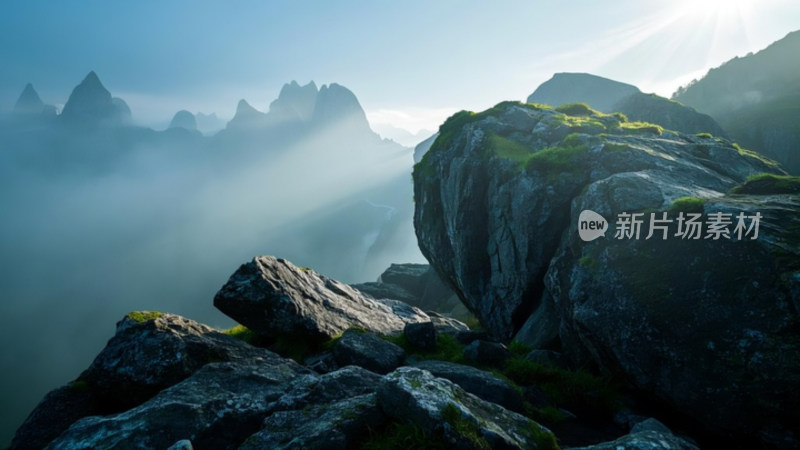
(707, 327)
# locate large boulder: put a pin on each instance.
(149, 352)
(707, 326)
(218, 407)
(273, 297)
(440, 407)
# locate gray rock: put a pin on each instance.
(447, 325)
(650, 425)
(481, 383)
(648, 435)
(437, 405)
(486, 353)
(708, 327)
(350, 381)
(274, 297)
(59, 409)
(421, 335)
(147, 356)
(149, 352)
(368, 351)
(183, 444)
(218, 407)
(491, 229)
(337, 425)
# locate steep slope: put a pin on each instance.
(498, 200)
(757, 99)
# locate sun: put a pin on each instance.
(740, 8)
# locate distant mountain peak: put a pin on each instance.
(91, 103)
(337, 104)
(29, 101)
(184, 119)
(246, 116)
(568, 87)
(294, 102)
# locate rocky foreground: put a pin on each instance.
(365, 373)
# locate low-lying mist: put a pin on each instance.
(99, 222)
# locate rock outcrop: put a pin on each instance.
(274, 297)
(707, 326)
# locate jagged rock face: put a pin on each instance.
(273, 297)
(437, 405)
(91, 104)
(600, 93)
(694, 323)
(183, 119)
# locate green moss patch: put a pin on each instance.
(642, 128)
(508, 149)
(687, 205)
(463, 427)
(767, 183)
(143, 316)
(573, 390)
(577, 109)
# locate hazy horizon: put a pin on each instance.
(410, 65)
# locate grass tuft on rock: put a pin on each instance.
(463, 427)
(687, 205)
(143, 316)
(769, 184)
(574, 390)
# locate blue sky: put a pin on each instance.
(410, 63)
